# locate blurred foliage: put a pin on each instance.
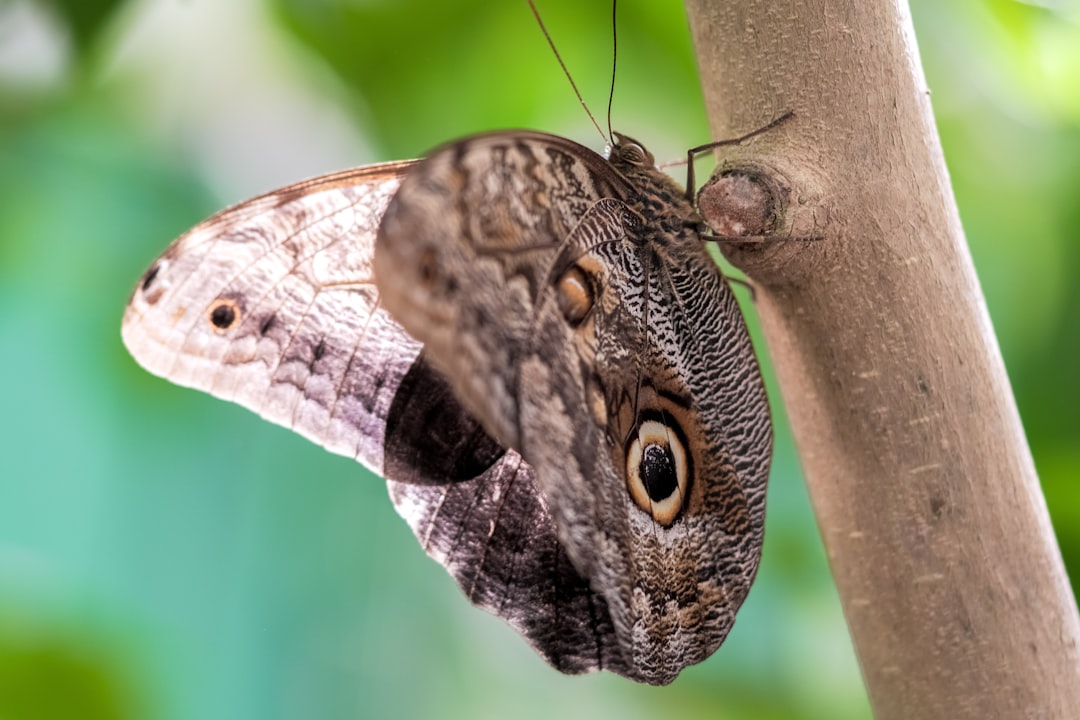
(84, 19)
(166, 555)
(49, 670)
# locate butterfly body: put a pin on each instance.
(531, 343)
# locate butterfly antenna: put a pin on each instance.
(614, 57)
(551, 43)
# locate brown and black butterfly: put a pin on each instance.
(531, 343)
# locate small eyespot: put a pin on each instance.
(658, 470)
(224, 314)
(575, 295)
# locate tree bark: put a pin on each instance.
(918, 469)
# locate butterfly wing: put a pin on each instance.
(467, 249)
(486, 523)
(271, 304)
(620, 368)
(493, 533)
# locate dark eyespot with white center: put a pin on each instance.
(224, 314)
(658, 470)
(575, 295)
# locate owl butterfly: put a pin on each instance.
(531, 344)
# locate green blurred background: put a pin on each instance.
(167, 555)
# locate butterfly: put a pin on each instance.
(530, 342)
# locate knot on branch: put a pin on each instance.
(738, 203)
(764, 226)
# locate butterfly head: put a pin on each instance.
(628, 153)
(668, 207)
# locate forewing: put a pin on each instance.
(272, 304)
(467, 247)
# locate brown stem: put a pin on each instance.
(919, 472)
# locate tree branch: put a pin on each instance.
(919, 472)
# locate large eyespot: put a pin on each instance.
(575, 295)
(224, 314)
(658, 469)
